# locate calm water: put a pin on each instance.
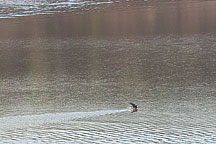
(68, 77)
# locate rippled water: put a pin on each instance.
(16, 8)
(69, 78)
(172, 79)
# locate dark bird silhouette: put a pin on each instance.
(133, 107)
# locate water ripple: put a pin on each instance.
(105, 132)
(12, 122)
(16, 8)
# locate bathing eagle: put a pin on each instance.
(133, 107)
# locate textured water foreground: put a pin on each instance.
(69, 77)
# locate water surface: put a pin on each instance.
(69, 77)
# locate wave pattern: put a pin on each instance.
(12, 122)
(16, 8)
(86, 130)
(175, 94)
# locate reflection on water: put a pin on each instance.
(171, 78)
(119, 19)
(161, 58)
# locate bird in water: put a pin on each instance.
(133, 107)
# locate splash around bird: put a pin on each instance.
(133, 107)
